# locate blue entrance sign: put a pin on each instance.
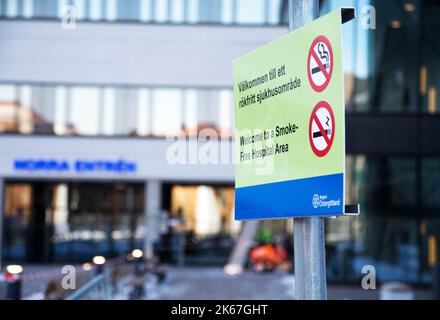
(77, 166)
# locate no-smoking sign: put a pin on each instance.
(307, 114)
(321, 128)
(320, 63)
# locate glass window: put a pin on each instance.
(95, 9)
(91, 110)
(12, 8)
(17, 213)
(43, 109)
(45, 9)
(177, 11)
(160, 11)
(28, 8)
(274, 11)
(125, 112)
(108, 117)
(207, 109)
(81, 221)
(7, 93)
(386, 189)
(61, 120)
(190, 118)
(146, 10)
(226, 115)
(167, 111)
(25, 95)
(193, 11)
(80, 9)
(227, 11)
(144, 112)
(62, 4)
(128, 10)
(84, 110)
(431, 185)
(377, 47)
(111, 10)
(251, 11)
(431, 64)
(210, 11)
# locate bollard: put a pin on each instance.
(161, 274)
(13, 282)
(138, 262)
(99, 262)
(138, 283)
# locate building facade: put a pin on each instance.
(96, 95)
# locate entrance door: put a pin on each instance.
(71, 221)
(39, 228)
(26, 232)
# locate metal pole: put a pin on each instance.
(152, 211)
(310, 279)
(302, 12)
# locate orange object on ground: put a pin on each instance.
(268, 255)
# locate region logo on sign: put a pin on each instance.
(321, 129)
(315, 201)
(320, 63)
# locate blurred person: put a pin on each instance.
(53, 291)
(268, 254)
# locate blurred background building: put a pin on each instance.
(89, 90)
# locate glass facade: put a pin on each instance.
(204, 214)
(400, 205)
(391, 68)
(247, 12)
(74, 221)
(113, 111)
(59, 222)
(390, 55)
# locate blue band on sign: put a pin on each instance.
(317, 196)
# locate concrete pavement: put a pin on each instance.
(214, 284)
(206, 283)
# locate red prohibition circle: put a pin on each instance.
(312, 55)
(314, 117)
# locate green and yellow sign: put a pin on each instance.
(290, 126)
